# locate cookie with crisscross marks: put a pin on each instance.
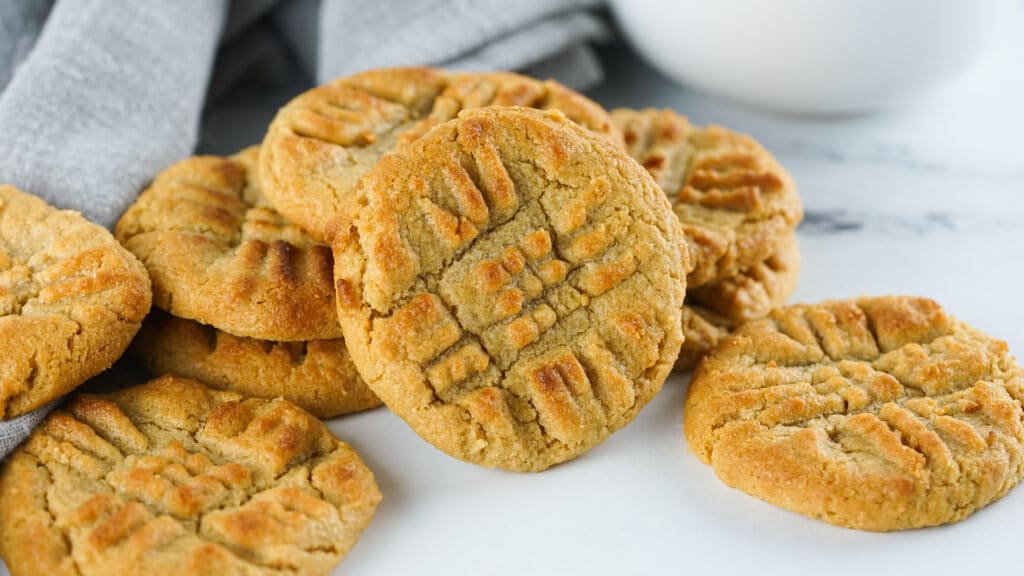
(878, 413)
(510, 285)
(324, 140)
(220, 255)
(71, 299)
(170, 477)
(736, 203)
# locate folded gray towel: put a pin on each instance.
(99, 95)
(110, 95)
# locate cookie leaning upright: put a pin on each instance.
(877, 413)
(736, 203)
(324, 140)
(218, 254)
(170, 477)
(71, 299)
(510, 285)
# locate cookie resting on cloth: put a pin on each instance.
(71, 299)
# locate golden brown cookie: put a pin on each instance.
(317, 376)
(171, 477)
(510, 285)
(71, 299)
(713, 310)
(218, 254)
(324, 140)
(736, 203)
(876, 413)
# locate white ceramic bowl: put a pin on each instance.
(812, 56)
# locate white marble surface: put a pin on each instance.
(926, 200)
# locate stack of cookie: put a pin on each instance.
(507, 279)
(171, 475)
(245, 297)
(739, 210)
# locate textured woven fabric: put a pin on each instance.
(14, 431)
(456, 34)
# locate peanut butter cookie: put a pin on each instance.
(318, 376)
(713, 310)
(324, 140)
(171, 477)
(736, 203)
(877, 413)
(71, 299)
(510, 285)
(218, 254)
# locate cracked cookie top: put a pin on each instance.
(317, 375)
(71, 299)
(510, 285)
(735, 202)
(172, 477)
(219, 254)
(324, 140)
(878, 413)
(714, 309)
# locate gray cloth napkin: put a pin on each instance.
(14, 431)
(97, 96)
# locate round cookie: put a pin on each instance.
(218, 254)
(510, 285)
(736, 203)
(877, 413)
(317, 376)
(71, 299)
(324, 140)
(171, 477)
(713, 310)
